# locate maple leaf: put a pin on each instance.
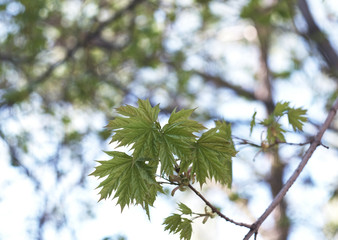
(184, 209)
(144, 111)
(281, 108)
(133, 181)
(172, 222)
(175, 223)
(138, 128)
(177, 138)
(296, 118)
(185, 229)
(212, 155)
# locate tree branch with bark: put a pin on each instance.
(315, 143)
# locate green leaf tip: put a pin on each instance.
(253, 122)
(297, 117)
(281, 108)
(138, 128)
(177, 138)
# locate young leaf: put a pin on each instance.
(184, 209)
(296, 118)
(144, 111)
(132, 180)
(166, 157)
(253, 122)
(139, 128)
(186, 229)
(172, 223)
(177, 138)
(281, 108)
(175, 223)
(212, 155)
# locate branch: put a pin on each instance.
(316, 142)
(113, 18)
(215, 210)
(315, 34)
(14, 59)
(222, 83)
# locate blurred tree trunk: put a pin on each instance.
(276, 176)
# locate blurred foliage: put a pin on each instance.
(65, 65)
(331, 225)
(115, 237)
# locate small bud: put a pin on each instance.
(205, 219)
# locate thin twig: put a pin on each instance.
(248, 142)
(294, 144)
(316, 142)
(215, 210)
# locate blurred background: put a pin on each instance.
(65, 65)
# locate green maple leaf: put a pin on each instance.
(144, 111)
(212, 155)
(175, 223)
(172, 223)
(297, 118)
(281, 108)
(133, 181)
(184, 209)
(185, 229)
(177, 139)
(166, 157)
(138, 128)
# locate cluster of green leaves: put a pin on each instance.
(260, 14)
(178, 224)
(275, 131)
(162, 151)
